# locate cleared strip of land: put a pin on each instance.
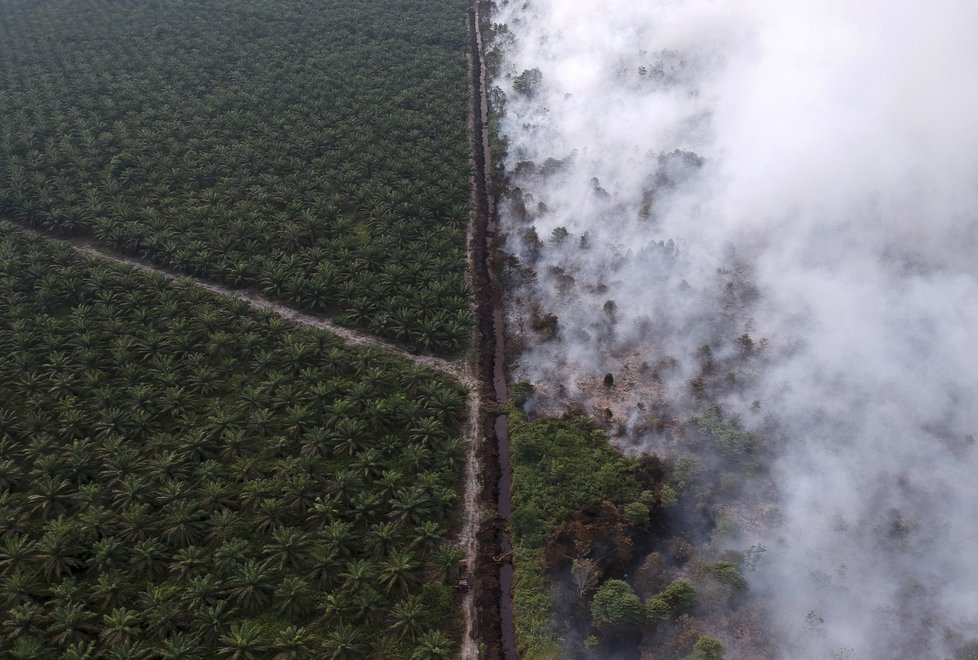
(455, 368)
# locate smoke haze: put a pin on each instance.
(802, 172)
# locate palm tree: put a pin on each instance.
(133, 650)
(162, 614)
(272, 515)
(202, 590)
(292, 643)
(410, 617)
(345, 643)
(245, 641)
(70, 623)
(120, 626)
(240, 448)
(181, 646)
(251, 587)
(113, 589)
(337, 606)
(368, 607)
(230, 555)
(215, 495)
(58, 550)
(389, 483)
(427, 535)
(16, 552)
(288, 547)
(414, 458)
(452, 453)
(50, 497)
(433, 645)
(211, 621)
(190, 561)
(297, 419)
(18, 587)
(24, 621)
(447, 402)
(183, 523)
(400, 572)
(323, 510)
(137, 520)
(81, 650)
(383, 537)
(350, 436)
(120, 469)
(260, 421)
(445, 563)
(108, 552)
(358, 574)
(368, 464)
(148, 559)
(31, 648)
(90, 494)
(324, 565)
(293, 598)
(342, 538)
(344, 484)
(222, 418)
(428, 432)
(409, 505)
(300, 488)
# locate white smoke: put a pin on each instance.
(827, 170)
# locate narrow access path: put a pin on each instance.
(495, 619)
(472, 516)
(456, 369)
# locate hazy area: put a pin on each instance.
(807, 176)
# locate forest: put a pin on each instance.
(181, 477)
(310, 150)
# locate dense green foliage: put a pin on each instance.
(533, 600)
(315, 150)
(675, 599)
(181, 477)
(616, 603)
(706, 648)
(559, 467)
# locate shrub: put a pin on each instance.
(616, 603)
(636, 513)
(706, 648)
(657, 609)
(727, 573)
(678, 597)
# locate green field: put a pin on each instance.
(315, 151)
(181, 477)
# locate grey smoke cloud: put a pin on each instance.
(839, 184)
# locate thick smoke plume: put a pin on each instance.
(688, 172)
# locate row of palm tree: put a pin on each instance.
(291, 146)
(181, 477)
